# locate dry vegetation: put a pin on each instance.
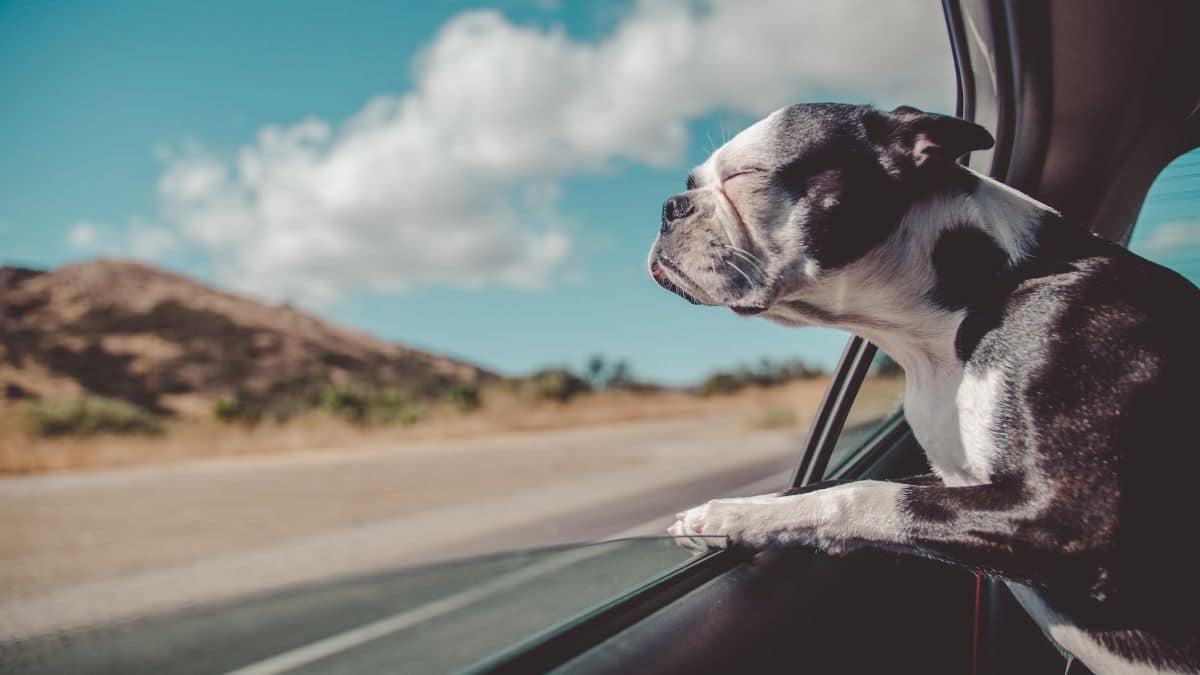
(110, 364)
(23, 450)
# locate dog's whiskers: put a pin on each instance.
(748, 257)
(739, 271)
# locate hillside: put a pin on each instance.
(171, 344)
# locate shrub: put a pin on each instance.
(555, 384)
(237, 409)
(343, 401)
(463, 396)
(362, 406)
(721, 383)
(767, 374)
(391, 407)
(88, 416)
(603, 374)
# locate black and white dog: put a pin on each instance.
(1051, 375)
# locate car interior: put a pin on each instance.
(1088, 102)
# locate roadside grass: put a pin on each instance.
(89, 416)
(775, 417)
(202, 436)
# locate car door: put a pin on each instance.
(1048, 81)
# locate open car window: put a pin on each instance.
(440, 618)
(256, 445)
(877, 405)
(1168, 226)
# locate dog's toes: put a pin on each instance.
(706, 527)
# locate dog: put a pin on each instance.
(1050, 374)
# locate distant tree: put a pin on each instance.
(766, 373)
(553, 384)
(604, 374)
(595, 369)
(619, 375)
(721, 383)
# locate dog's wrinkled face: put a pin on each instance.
(801, 194)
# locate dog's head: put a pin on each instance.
(798, 196)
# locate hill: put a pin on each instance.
(171, 344)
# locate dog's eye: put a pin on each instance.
(691, 182)
(739, 174)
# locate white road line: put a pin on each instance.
(335, 644)
(354, 637)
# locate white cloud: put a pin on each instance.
(86, 236)
(456, 181)
(1170, 238)
(138, 238)
(150, 242)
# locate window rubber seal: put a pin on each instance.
(558, 645)
(835, 406)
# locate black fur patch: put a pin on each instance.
(969, 265)
(851, 201)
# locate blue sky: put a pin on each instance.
(330, 154)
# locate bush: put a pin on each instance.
(555, 384)
(237, 409)
(605, 375)
(721, 383)
(89, 416)
(767, 374)
(463, 396)
(361, 406)
(343, 401)
(391, 407)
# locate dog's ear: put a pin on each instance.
(929, 136)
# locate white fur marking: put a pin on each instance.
(1075, 640)
(977, 400)
(862, 511)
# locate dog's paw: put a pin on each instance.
(715, 525)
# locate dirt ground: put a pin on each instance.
(68, 528)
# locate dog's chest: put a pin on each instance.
(953, 416)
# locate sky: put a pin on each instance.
(478, 180)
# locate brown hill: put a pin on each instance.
(129, 331)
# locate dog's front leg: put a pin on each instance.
(827, 518)
(979, 526)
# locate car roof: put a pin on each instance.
(1106, 93)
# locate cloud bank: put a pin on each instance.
(456, 181)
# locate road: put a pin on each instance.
(255, 602)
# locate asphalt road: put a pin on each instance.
(428, 619)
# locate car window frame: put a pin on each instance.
(1011, 44)
(557, 645)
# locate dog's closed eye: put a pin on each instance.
(741, 173)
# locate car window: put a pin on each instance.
(388, 314)
(430, 619)
(1168, 226)
(879, 401)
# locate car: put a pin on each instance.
(1088, 101)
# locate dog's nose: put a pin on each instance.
(675, 208)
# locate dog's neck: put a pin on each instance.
(887, 297)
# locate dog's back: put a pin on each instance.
(1099, 353)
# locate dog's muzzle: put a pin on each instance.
(658, 271)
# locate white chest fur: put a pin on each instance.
(953, 414)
